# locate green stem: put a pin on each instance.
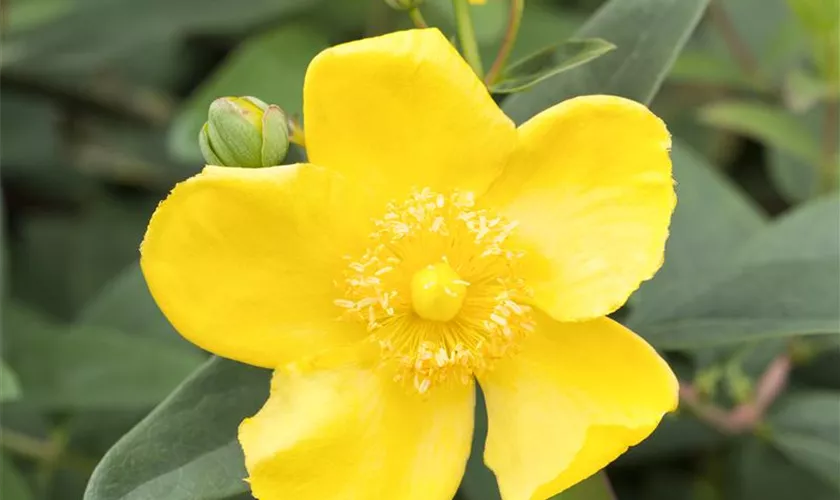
(42, 451)
(417, 18)
(512, 30)
(466, 35)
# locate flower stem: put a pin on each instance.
(417, 18)
(514, 21)
(466, 35)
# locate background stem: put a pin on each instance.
(417, 18)
(466, 36)
(514, 21)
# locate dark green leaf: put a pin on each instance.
(809, 232)
(760, 472)
(596, 487)
(12, 484)
(781, 283)
(712, 220)
(648, 35)
(677, 436)
(186, 449)
(772, 125)
(270, 66)
(125, 304)
(92, 33)
(548, 62)
(762, 302)
(806, 428)
(697, 67)
(798, 179)
(90, 368)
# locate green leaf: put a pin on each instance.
(270, 66)
(803, 89)
(806, 428)
(783, 300)
(648, 35)
(798, 179)
(712, 220)
(9, 385)
(807, 233)
(596, 487)
(83, 367)
(12, 483)
(548, 62)
(60, 260)
(186, 449)
(676, 436)
(770, 124)
(91, 34)
(760, 472)
(125, 304)
(781, 283)
(698, 67)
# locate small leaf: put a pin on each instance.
(648, 35)
(548, 62)
(806, 428)
(186, 449)
(772, 125)
(802, 90)
(9, 385)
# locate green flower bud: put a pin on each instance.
(244, 132)
(404, 4)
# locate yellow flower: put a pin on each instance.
(428, 243)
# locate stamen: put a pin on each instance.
(469, 308)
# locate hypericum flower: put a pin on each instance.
(428, 243)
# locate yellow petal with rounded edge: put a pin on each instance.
(243, 261)
(571, 402)
(353, 433)
(404, 110)
(591, 187)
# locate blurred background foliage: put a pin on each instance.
(101, 105)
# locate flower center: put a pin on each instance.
(438, 289)
(437, 292)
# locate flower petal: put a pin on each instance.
(243, 261)
(350, 432)
(571, 402)
(592, 190)
(404, 110)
